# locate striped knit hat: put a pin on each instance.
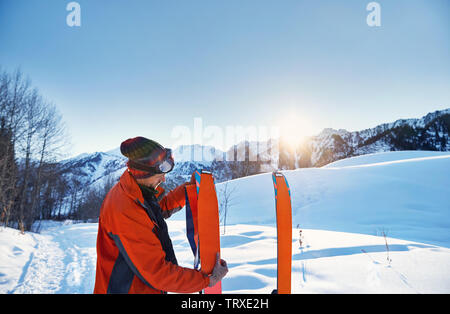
(142, 153)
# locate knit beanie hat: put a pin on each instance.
(143, 154)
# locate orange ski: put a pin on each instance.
(202, 224)
(284, 233)
(208, 227)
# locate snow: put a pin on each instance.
(370, 159)
(343, 211)
(15, 253)
(59, 260)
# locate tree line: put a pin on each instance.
(32, 138)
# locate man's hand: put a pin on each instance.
(219, 271)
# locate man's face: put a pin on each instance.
(159, 178)
(155, 180)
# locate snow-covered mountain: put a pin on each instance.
(87, 169)
(430, 133)
(95, 168)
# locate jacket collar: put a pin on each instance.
(131, 188)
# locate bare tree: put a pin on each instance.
(9, 172)
(90, 203)
(31, 136)
(33, 123)
(226, 200)
(52, 138)
(13, 92)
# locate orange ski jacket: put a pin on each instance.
(131, 250)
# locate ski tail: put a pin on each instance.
(284, 232)
(208, 227)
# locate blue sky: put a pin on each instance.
(142, 67)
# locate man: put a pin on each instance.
(134, 250)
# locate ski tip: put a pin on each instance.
(275, 291)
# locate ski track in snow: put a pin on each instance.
(57, 265)
(44, 270)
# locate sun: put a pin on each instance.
(294, 128)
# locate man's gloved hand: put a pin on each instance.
(219, 271)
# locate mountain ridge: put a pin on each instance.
(430, 132)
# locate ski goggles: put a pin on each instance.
(165, 165)
(168, 163)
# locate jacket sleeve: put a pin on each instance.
(174, 201)
(146, 258)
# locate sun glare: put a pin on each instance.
(294, 129)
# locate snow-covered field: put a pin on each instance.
(343, 210)
(59, 260)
